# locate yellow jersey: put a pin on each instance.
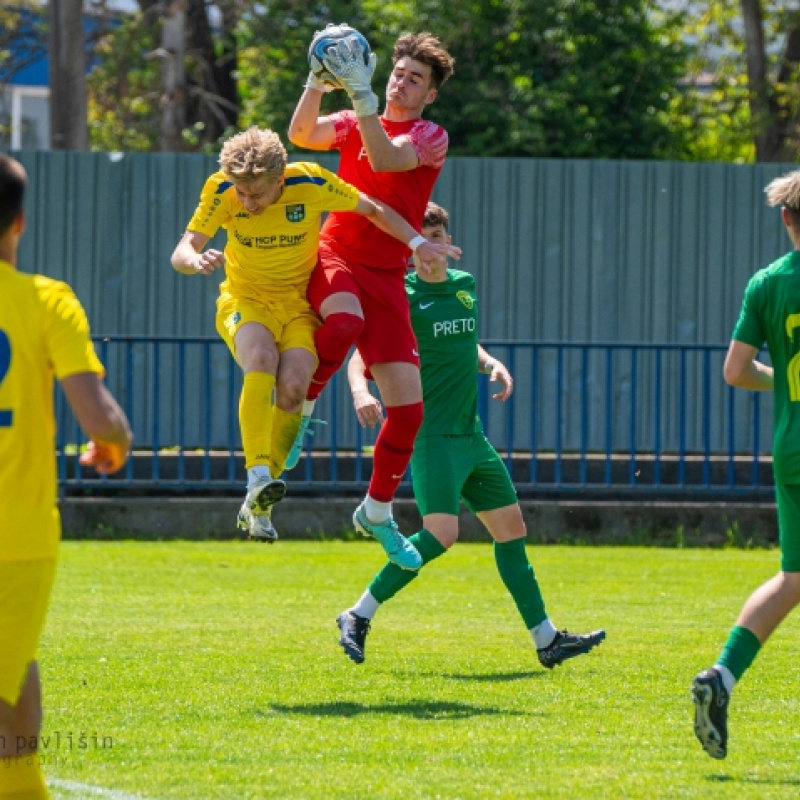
(44, 334)
(273, 253)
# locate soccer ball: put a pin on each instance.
(326, 39)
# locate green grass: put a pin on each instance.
(215, 670)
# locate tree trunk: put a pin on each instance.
(788, 67)
(773, 139)
(68, 128)
(173, 116)
(215, 99)
(225, 65)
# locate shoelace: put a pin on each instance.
(399, 540)
(308, 430)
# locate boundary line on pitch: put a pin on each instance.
(88, 790)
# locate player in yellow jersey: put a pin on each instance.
(272, 211)
(43, 334)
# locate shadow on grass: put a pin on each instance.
(420, 710)
(494, 677)
(757, 779)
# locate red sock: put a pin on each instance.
(393, 450)
(333, 340)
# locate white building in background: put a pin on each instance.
(25, 108)
(25, 91)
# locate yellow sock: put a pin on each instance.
(255, 417)
(284, 432)
(21, 778)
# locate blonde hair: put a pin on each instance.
(785, 191)
(252, 154)
(427, 49)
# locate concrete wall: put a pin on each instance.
(577, 521)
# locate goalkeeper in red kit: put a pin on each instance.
(357, 287)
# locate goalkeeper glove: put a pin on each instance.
(105, 458)
(313, 82)
(346, 63)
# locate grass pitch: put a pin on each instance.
(206, 671)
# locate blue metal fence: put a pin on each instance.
(603, 418)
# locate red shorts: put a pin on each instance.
(387, 335)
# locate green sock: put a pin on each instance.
(740, 651)
(391, 579)
(517, 574)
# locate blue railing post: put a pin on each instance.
(184, 411)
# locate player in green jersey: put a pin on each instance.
(770, 313)
(452, 459)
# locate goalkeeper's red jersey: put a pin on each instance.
(354, 237)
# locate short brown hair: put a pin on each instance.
(12, 191)
(436, 215)
(252, 154)
(427, 49)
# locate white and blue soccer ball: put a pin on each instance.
(324, 40)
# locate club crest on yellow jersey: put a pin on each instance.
(465, 298)
(296, 213)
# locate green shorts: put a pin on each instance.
(447, 469)
(788, 497)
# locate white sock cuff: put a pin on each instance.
(543, 634)
(728, 681)
(377, 511)
(367, 606)
(257, 473)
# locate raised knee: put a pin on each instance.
(290, 394)
(261, 361)
(410, 415)
(340, 330)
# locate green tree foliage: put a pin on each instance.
(126, 86)
(742, 93)
(565, 78)
(23, 33)
(590, 79)
(273, 61)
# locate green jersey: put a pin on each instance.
(445, 320)
(771, 313)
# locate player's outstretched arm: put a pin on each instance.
(101, 419)
(368, 408)
(188, 258)
(389, 221)
(742, 370)
(497, 372)
(308, 129)
(346, 61)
